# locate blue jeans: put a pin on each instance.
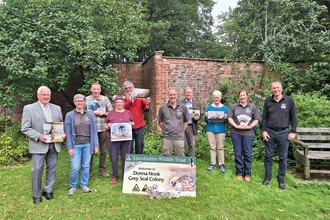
(243, 153)
(281, 139)
(138, 139)
(81, 157)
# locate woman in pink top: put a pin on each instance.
(118, 135)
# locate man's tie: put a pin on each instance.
(48, 114)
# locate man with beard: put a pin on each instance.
(137, 107)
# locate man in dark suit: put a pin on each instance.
(191, 131)
(33, 118)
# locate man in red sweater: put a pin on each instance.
(136, 107)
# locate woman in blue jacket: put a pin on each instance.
(82, 140)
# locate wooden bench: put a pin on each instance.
(312, 144)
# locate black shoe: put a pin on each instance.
(48, 196)
(37, 200)
(266, 181)
(222, 168)
(281, 184)
(211, 167)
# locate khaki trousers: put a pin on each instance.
(170, 145)
(216, 141)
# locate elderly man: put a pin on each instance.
(137, 107)
(191, 131)
(33, 118)
(100, 105)
(278, 115)
(173, 119)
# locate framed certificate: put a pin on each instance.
(53, 131)
(215, 116)
(194, 112)
(121, 132)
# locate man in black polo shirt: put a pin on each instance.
(278, 115)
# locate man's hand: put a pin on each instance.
(265, 136)
(42, 138)
(291, 136)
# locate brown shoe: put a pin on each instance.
(239, 178)
(247, 179)
(104, 174)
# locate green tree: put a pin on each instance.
(277, 31)
(180, 28)
(55, 41)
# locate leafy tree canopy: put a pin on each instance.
(50, 42)
(276, 31)
(180, 28)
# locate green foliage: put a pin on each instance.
(5, 122)
(153, 142)
(180, 28)
(52, 42)
(261, 33)
(13, 146)
(312, 78)
(312, 109)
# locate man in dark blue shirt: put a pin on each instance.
(278, 115)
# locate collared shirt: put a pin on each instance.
(101, 104)
(173, 120)
(82, 127)
(279, 114)
(243, 115)
(43, 107)
(189, 105)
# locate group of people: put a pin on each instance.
(88, 130)
(279, 123)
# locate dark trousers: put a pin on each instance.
(190, 139)
(243, 153)
(281, 139)
(38, 161)
(138, 140)
(103, 153)
(115, 148)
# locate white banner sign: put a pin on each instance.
(171, 173)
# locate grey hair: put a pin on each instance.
(96, 84)
(43, 87)
(172, 88)
(189, 88)
(126, 83)
(217, 93)
(78, 96)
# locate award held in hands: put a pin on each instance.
(194, 112)
(140, 93)
(216, 116)
(53, 131)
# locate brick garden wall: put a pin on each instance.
(158, 73)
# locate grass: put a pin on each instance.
(219, 196)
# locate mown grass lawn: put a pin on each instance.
(219, 196)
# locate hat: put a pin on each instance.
(118, 98)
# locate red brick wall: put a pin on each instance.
(158, 73)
